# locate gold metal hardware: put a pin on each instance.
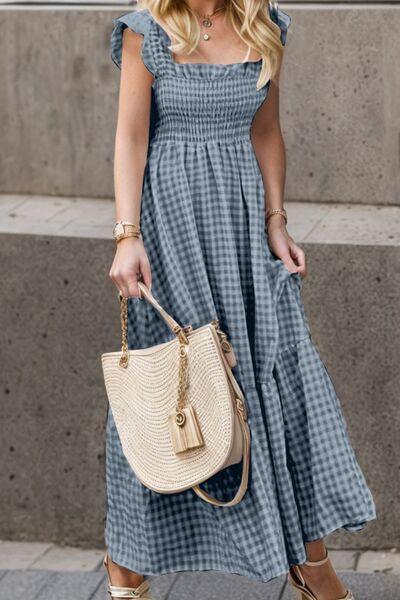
(180, 334)
(184, 425)
(225, 345)
(124, 360)
(223, 338)
(183, 375)
(241, 407)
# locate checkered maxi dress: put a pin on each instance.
(203, 228)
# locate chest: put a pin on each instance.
(217, 93)
(218, 43)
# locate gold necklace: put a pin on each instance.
(206, 21)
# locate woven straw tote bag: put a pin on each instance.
(179, 411)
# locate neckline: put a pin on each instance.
(208, 64)
(198, 64)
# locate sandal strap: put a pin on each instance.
(317, 563)
(127, 592)
(116, 591)
(296, 571)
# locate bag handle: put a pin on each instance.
(245, 469)
(241, 410)
(174, 326)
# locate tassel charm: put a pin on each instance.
(185, 430)
(184, 426)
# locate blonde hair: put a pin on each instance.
(250, 19)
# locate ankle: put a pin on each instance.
(323, 580)
(316, 551)
(123, 577)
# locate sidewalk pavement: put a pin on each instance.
(41, 571)
(310, 222)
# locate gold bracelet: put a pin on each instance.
(276, 211)
(128, 234)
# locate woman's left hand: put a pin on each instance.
(284, 247)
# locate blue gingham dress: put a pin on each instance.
(202, 219)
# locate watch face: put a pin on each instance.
(118, 230)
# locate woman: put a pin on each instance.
(200, 167)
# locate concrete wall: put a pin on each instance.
(59, 313)
(340, 108)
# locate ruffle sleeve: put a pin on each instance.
(281, 18)
(139, 22)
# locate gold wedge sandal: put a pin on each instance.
(298, 582)
(142, 591)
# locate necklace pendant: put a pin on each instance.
(206, 37)
(207, 22)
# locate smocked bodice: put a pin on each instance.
(212, 107)
(197, 102)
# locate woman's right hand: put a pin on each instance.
(130, 264)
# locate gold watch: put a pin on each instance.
(123, 229)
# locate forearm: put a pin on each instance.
(270, 152)
(129, 166)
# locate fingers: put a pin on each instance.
(133, 288)
(299, 259)
(125, 281)
(145, 270)
(116, 278)
(289, 264)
